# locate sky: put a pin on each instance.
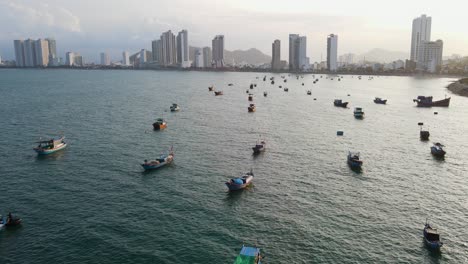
(93, 26)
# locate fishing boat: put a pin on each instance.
(286, 89)
(353, 160)
(431, 237)
(423, 134)
(252, 108)
(426, 101)
(240, 183)
(259, 147)
(249, 255)
(265, 94)
(309, 92)
(218, 93)
(9, 221)
(247, 91)
(379, 100)
(250, 97)
(175, 107)
(358, 113)
(340, 103)
(272, 82)
(46, 147)
(437, 150)
(210, 88)
(160, 124)
(230, 84)
(163, 160)
(251, 86)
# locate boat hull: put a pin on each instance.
(441, 103)
(380, 101)
(157, 126)
(344, 105)
(236, 187)
(437, 152)
(41, 151)
(157, 166)
(358, 115)
(258, 150)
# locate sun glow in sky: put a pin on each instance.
(93, 26)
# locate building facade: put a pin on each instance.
(19, 52)
(293, 51)
(421, 32)
(430, 55)
(105, 59)
(183, 49)
(29, 53)
(156, 50)
(332, 52)
(125, 58)
(168, 55)
(207, 57)
(218, 51)
(52, 45)
(198, 59)
(276, 55)
(42, 52)
(69, 59)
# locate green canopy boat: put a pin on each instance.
(249, 255)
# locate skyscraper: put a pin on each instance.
(143, 58)
(105, 59)
(421, 32)
(52, 48)
(293, 52)
(276, 55)
(69, 58)
(125, 58)
(78, 60)
(218, 51)
(303, 61)
(19, 52)
(29, 53)
(42, 52)
(207, 57)
(430, 55)
(183, 49)
(332, 52)
(198, 59)
(168, 55)
(156, 50)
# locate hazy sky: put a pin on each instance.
(92, 26)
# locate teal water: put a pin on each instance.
(92, 203)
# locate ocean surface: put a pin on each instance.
(93, 203)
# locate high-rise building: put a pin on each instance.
(19, 52)
(52, 48)
(69, 58)
(156, 50)
(42, 52)
(29, 53)
(302, 58)
(218, 51)
(198, 59)
(276, 55)
(183, 49)
(332, 52)
(293, 51)
(78, 60)
(105, 59)
(143, 58)
(168, 55)
(125, 58)
(207, 57)
(430, 55)
(421, 32)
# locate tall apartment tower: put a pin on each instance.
(430, 55)
(52, 48)
(19, 52)
(276, 55)
(183, 49)
(302, 59)
(168, 49)
(293, 52)
(332, 52)
(156, 50)
(218, 51)
(29, 53)
(69, 58)
(421, 32)
(42, 52)
(125, 58)
(207, 57)
(105, 59)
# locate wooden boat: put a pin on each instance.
(175, 107)
(160, 124)
(218, 93)
(259, 147)
(309, 92)
(240, 183)
(437, 150)
(426, 101)
(250, 97)
(210, 88)
(265, 94)
(46, 147)
(163, 160)
(431, 237)
(249, 255)
(252, 108)
(353, 160)
(358, 113)
(340, 103)
(379, 100)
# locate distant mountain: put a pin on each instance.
(250, 56)
(381, 55)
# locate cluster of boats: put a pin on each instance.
(9, 221)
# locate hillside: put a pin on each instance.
(250, 56)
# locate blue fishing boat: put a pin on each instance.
(163, 160)
(354, 160)
(240, 183)
(437, 150)
(431, 237)
(249, 255)
(46, 147)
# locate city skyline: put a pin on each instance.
(77, 30)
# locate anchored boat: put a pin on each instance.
(163, 160)
(379, 100)
(240, 183)
(431, 237)
(437, 150)
(160, 124)
(340, 103)
(252, 108)
(250, 97)
(358, 113)
(218, 93)
(259, 147)
(50, 146)
(249, 255)
(175, 107)
(426, 101)
(9, 221)
(354, 160)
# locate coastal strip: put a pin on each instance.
(459, 87)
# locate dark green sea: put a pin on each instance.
(92, 202)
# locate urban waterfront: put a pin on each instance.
(93, 203)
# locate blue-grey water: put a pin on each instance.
(92, 203)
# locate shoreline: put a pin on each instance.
(396, 74)
(459, 87)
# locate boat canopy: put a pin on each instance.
(52, 140)
(248, 255)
